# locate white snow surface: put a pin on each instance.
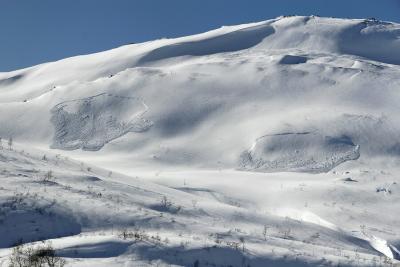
(267, 144)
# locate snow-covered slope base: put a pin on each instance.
(272, 143)
(93, 216)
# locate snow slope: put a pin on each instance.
(283, 75)
(186, 216)
(302, 112)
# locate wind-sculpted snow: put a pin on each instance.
(92, 122)
(10, 80)
(230, 42)
(304, 151)
(372, 39)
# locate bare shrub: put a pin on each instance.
(48, 177)
(35, 256)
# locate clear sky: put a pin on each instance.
(37, 31)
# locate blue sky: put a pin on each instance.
(37, 31)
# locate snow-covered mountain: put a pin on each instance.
(290, 124)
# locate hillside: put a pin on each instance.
(289, 125)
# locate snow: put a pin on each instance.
(91, 122)
(303, 151)
(270, 143)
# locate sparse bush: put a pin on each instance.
(137, 234)
(156, 238)
(218, 240)
(241, 239)
(124, 234)
(389, 261)
(233, 244)
(10, 143)
(194, 203)
(165, 203)
(48, 177)
(35, 256)
(265, 230)
(286, 233)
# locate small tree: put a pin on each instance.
(286, 233)
(48, 176)
(165, 203)
(10, 142)
(241, 239)
(194, 203)
(265, 232)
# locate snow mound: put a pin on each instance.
(372, 39)
(92, 122)
(303, 151)
(32, 218)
